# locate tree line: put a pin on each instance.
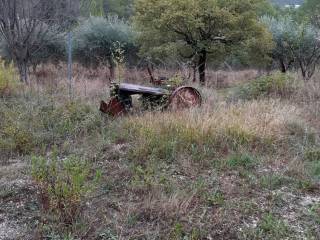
(244, 33)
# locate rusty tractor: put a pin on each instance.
(151, 97)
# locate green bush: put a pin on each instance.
(16, 140)
(276, 84)
(16, 135)
(63, 184)
(95, 40)
(9, 78)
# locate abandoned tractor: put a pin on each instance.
(151, 98)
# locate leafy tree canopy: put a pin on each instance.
(199, 29)
(311, 10)
(296, 44)
(121, 8)
(97, 39)
(92, 8)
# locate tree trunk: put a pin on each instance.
(202, 65)
(282, 66)
(112, 70)
(303, 70)
(23, 72)
(194, 72)
(150, 72)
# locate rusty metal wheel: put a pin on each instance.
(114, 107)
(183, 98)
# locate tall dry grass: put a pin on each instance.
(163, 171)
(211, 132)
(91, 83)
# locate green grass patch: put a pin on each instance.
(28, 126)
(237, 161)
(273, 181)
(273, 226)
(269, 227)
(312, 155)
(276, 84)
(215, 199)
(168, 139)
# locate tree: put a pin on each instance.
(282, 31)
(97, 38)
(52, 50)
(199, 29)
(121, 8)
(296, 44)
(92, 8)
(24, 24)
(311, 10)
(101, 8)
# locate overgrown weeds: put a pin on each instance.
(9, 79)
(63, 185)
(274, 85)
(199, 173)
(34, 127)
(253, 127)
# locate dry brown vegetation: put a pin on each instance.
(246, 165)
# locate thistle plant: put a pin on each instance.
(119, 59)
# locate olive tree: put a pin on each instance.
(121, 8)
(92, 8)
(296, 44)
(97, 39)
(311, 10)
(198, 29)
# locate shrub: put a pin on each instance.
(276, 84)
(16, 136)
(9, 78)
(63, 184)
(16, 140)
(95, 40)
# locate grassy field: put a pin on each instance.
(246, 165)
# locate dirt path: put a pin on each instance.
(18, 206)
